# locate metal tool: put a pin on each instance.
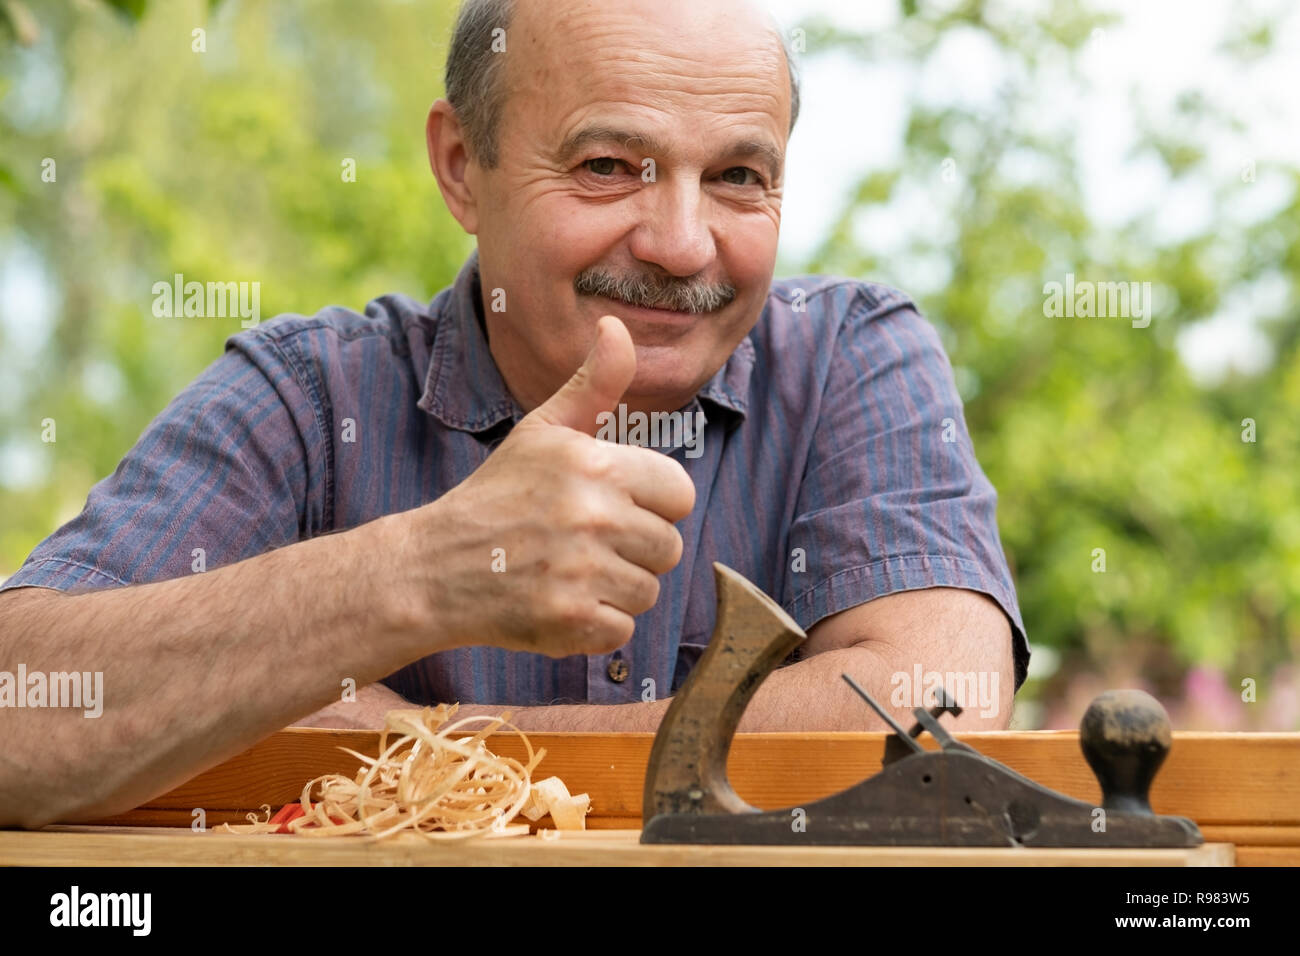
(953, 796)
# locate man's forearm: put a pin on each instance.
(808, 695)
(194, 669)
(364, 709)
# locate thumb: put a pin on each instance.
(597, 385)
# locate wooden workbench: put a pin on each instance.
(172, 846)
(1243, 790)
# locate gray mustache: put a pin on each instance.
(656, 292)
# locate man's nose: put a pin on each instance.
(675, 233)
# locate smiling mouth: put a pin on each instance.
(654, 310)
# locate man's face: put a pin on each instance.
(703, 89)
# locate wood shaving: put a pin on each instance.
(552, 796)
(429, 783)
(254, 825)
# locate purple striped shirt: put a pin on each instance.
(834, 468)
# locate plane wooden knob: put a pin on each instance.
(1125, 738)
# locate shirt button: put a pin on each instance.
(617, 670)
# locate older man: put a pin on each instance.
(413, 500)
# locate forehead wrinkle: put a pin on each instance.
(702, 20)
(617, 55)
(619, 91)
(604, 46)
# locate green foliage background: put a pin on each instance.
(226, 165)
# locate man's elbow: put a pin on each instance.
(990, 691)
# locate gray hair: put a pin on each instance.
(473, 81)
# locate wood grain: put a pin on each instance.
(89, 846)
(1268, 856)
(1241, 779)
(1240, 788)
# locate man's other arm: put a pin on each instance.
(944, 630)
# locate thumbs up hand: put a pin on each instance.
(584, 527)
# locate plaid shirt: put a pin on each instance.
(834, 468)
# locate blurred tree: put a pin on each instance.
(1091, 429)
(225, 165)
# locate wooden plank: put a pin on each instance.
(1215, 779)
(1244, 838)
(1268, 856)
(596, 823)
(155, 817)
(88, 846)
(1252, 836)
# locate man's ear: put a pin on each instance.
(449, 159)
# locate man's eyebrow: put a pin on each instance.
(580, 139)
(759, 149)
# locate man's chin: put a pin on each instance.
(662, 381)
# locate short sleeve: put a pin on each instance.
(893, 498)
(219, 476)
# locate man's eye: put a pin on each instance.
(743, 171)
(604, 166)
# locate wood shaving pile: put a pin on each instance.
(430, 783)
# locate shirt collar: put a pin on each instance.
(464, 390)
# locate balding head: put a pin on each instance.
(475, 78)
(619, 159)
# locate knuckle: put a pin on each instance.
(686, 492)
(587, 561)
(649, 593)
(572, 615)
(673, 548)
(613, 636)
(591, 516)
(583, 454)
(664, 549)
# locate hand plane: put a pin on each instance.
(953, 796)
